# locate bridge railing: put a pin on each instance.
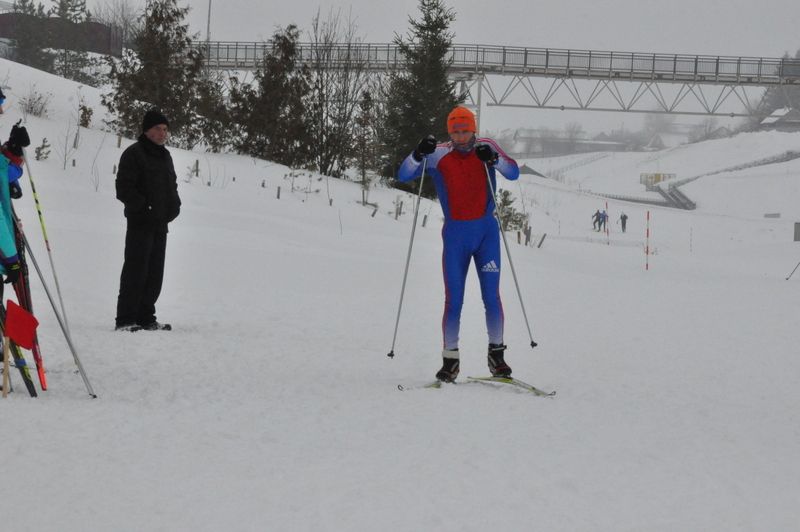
(530, 61)
(249, 54)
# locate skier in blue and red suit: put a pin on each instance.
(459, 170)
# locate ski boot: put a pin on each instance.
(156, 326)
(129, 327)
(497, 364)
(450, 366)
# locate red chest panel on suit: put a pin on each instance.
(465, 181)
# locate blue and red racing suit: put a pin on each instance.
(470, 230)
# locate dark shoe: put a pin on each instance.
(450, 366)
(130, 327)
(497, 365)
(156, 326)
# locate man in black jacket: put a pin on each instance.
(148, 186)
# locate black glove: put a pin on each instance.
(12, 272)
(14, 190)
(486, 154)
(425, 147)
(18, 139)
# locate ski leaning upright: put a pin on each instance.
(23, 290)
(19, 358)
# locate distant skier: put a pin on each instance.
(147, 185)
(623, 221)
(596, 220)
(603, 220)
(459, 171)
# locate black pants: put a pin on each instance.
(142, 275)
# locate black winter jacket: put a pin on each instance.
(147, 185)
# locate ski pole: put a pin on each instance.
(46, 240)
(390, 354)
(795, 269)
(61, 323)
(23, 290)
(497, 215)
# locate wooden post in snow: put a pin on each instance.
(647, 244)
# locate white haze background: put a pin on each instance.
(712, 27)
(272, 404)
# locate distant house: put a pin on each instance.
(5, 45)
(663, 140)
(55, 32)
(548, 143)
(783, 119)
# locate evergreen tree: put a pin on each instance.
(781, 96)
(72, 61)
(29, 47)
(419, 99)
(775, 97)
(163, 72)
(71, 10)
(268, 116)
(212, 116)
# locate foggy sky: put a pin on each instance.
(716, 27)
(768, 28)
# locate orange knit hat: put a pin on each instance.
(462, 119)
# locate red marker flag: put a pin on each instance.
(20, 325)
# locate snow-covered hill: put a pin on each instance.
(272, 404)
(618, 173)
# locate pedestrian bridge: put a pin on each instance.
(588, 79)
(514, 60)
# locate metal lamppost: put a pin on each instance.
(208, 24)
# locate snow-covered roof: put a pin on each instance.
(777, 115)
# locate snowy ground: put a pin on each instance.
(273, 406)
